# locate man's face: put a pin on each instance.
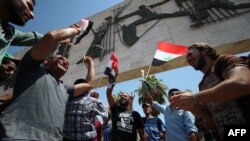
(147, 109)
(20, 11)
(195, 59)
(95, 95)
(58, 65)
(172, 94)
(7, 69)
(124, 100)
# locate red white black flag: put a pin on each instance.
(111, 68)
(86, 25)
(167, 51)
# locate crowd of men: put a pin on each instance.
(37, 105)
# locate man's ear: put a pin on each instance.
(45, 63)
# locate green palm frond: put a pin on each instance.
(158, 88)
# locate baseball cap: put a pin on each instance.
(11, 57)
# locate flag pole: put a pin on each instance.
(148, 70)
(99, 83)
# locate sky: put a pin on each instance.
(52, 14)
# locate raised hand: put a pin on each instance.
(77, 27)
(132, 96)
(87, 60)
(182, 100)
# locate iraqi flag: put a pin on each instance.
(86, 25)
(111, 68)
(167, 51)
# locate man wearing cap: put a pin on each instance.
(17, 12)
(7, 74)
(154, 127)
(179, 124)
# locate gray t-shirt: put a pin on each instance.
(38, 108)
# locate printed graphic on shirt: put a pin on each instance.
(126, 122)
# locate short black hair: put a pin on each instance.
(146, 104)
(78, 81)
(170, 92)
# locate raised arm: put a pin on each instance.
(111, 99)
(91, 70)
(235, 85)
(41, 50)
(26, 38)
(156, 105)
(87, 85)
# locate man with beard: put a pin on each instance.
(126, 123)
(38, 106)
(17, 12)
(224, 89)
(7, 70)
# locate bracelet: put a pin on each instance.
(111, 85)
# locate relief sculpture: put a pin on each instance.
(201, 12)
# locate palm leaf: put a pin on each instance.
(156, 87)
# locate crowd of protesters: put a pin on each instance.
(37, 105)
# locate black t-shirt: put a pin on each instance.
(125, 124)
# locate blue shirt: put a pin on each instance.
(178, 123)
(106, 133)
(153, 127)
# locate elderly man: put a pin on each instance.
(39, 101)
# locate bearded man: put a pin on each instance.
(126, 123)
